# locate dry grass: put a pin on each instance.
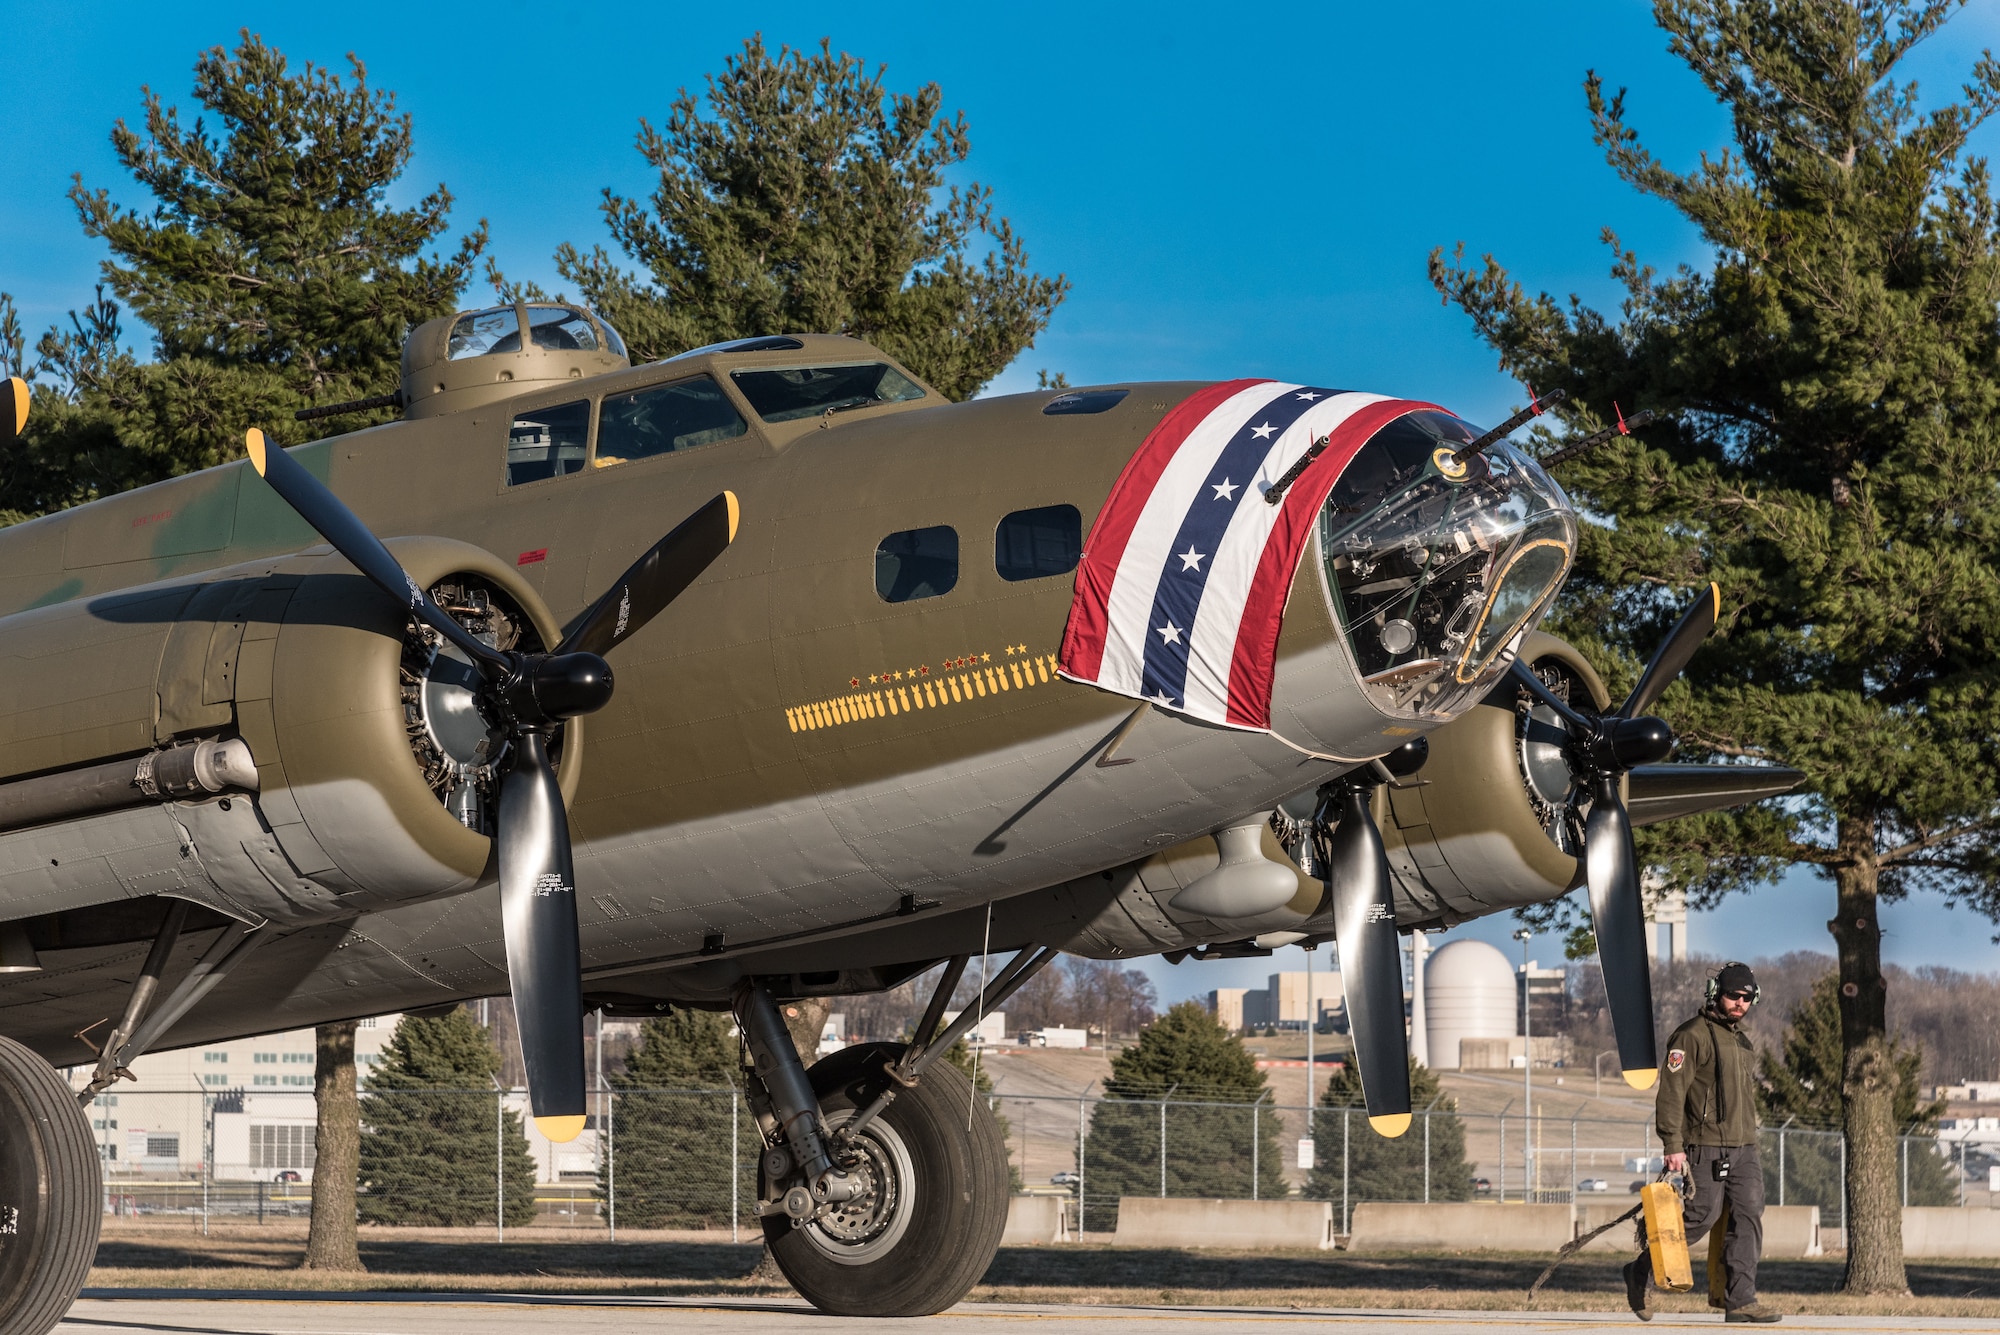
(147, 1256)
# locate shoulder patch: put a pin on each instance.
(1676, 1059)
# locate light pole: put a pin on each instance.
(1527, 1070)
(1312, 1024)
(1597, 1068)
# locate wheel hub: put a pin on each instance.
(859, 1230)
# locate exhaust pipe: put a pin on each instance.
(167, 775)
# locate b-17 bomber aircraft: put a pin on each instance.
(764, 673)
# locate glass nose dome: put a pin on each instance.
(1435, 566)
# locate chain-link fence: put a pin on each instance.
(686, 1159)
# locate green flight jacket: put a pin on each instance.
(1706, 1096)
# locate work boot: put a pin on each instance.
(1755, 1312)
(1637, 1272)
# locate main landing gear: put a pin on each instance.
(49, 1210)
(883, 1182)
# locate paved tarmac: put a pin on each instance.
(153, 1312)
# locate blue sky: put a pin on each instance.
(1244, 191)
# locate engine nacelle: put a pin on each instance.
(1491, 825)
(375, 772)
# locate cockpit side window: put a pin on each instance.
(789, 393)
(476, 333)
(561, 328)
(661, 419)
(548, 442)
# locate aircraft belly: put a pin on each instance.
(99, 859)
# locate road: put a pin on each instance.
(157, 1313)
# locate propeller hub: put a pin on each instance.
(568, 685)
(1408, 758)
(1627, 742)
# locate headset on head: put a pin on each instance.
(1714, 988)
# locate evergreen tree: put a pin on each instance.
(670, 1161)
(1208, 1080)
(1832, 380)
(269, 266)
(1801, 1090)
(806, 200)
(1381, 1169)
(428, 1136)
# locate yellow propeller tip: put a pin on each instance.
(735, 513)
(1390, 1125)
(253, 441)
(1715, 594)
(16, 406)
(1644, 1079)
(561, 1130)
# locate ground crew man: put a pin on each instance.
(1706, 1114)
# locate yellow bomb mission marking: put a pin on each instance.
(962, 679)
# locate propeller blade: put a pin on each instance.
(1371, 962)
(1674, 653)
(332, 520)
(656, 579)
(1667, 792)
(538, 917)
(1618, 913)
(13, 409)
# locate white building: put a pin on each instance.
(990, 1031)
(258, 1091)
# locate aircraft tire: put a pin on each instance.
(49, 1207)
(948, 1203)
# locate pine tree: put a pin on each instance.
(1378, 1168)
(429, 1138)
(1801, 1091)
(669, 1159)
(1207, 1080)
(269, 266)
(806, 201)
(1832, 381)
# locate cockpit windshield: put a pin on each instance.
(789, 393)
(1436, 564)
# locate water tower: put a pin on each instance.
(1468, 993)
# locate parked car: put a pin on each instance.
(1065, 1180)
(1638, 1185)
(1593, 1184)
(1481, 1187)
(289, 1175)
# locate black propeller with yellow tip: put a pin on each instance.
(527, 695)
(13, 409)
(1601, 751)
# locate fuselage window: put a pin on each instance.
(916, 563)
(1032, 544)
(665, 418)
(548, 442)
(808, 391)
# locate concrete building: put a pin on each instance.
(1226, 1005)
(1281, 1002)
(1666, 906)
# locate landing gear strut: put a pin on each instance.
(883, 1182)
(49, 1210)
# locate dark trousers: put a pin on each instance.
(1743, 1232)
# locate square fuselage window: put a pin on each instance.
(1033, 544)
(916, 563)
(661, 419)
(548, 442)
